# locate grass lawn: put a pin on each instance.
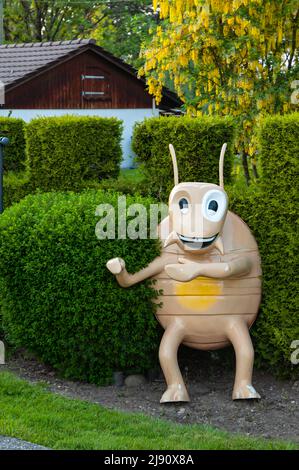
(131, 175)
(30, 412)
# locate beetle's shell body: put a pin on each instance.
(207, 306)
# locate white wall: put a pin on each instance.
(128, 116)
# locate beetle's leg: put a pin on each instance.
(239, 336)
(172, 338)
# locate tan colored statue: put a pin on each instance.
(210, 274)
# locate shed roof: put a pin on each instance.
(21, 62)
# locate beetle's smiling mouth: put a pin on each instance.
(197, 243)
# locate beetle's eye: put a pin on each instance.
(213, 206)
(183, 203)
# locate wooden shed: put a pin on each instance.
(76, 77)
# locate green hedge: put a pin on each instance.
(58, 299)
(15, 152)
(279, 151)
(16, 186)
(65, 152)
(197, 141)
(271, 210)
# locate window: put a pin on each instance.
(95, 85)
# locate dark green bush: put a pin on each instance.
(197, 142)
(279, 150)
(63, 153)
(59, 300)
(271, 212)
(278, 229)
(16, 186)
(15, 152)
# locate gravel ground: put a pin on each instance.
(209, 383)
(10, 443)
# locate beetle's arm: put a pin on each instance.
(188, 270)
(117, 267)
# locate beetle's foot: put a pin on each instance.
(175, 392)
(245, 392)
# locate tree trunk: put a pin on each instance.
(254, 170)
(245, 168)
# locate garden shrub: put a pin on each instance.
(63, 153)
(16, 185)
(15, 152)
(58, 299)
(278, 228)
(270, 210)
(279, 149)
(197, 142)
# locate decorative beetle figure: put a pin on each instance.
(210, 274)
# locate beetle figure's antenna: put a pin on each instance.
(174, 163)
(221, 162)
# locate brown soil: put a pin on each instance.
(276, 415)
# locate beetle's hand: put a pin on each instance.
(188, 261)
(116, 265)
(184, 271)
(236, 267)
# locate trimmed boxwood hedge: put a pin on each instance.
(15, 152)
(58, 299)
(271, 210)
(65, 152)
(197, 142)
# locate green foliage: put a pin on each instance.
(234, 59)
(30, 21)
(279, 149)
(271, 212)
(58, 299)
(118, 26)
(197, 142)
(125, 27)
(128, 182)
(15, 152)
(16, 186)
(63, 153)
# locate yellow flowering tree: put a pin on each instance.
(237, 57)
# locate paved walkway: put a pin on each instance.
(10, 443)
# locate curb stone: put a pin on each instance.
(11, 443)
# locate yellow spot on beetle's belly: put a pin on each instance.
(199, 294)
